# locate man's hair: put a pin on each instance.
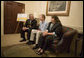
(43, 16)
(31, 14)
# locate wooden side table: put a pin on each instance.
(81, 53)
(80, 37)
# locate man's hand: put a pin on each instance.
(24, 28)
(39, 30)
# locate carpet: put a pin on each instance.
(20, 50)
(11, 47)
(23, 50)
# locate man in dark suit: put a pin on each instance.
(30, 24)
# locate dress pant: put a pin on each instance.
(33, 32)
(45, 41)
(23, 34)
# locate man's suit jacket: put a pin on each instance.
(57, 28)
(32, 24)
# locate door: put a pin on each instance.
(11, 9)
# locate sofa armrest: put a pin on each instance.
(69, 34)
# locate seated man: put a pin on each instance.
(42, 28)
(30, 24)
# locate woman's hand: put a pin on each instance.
(45, 33)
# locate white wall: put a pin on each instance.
(74, 20)
(2, 18)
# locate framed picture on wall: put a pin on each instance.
(59, 8)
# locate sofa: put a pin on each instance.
(64, 44)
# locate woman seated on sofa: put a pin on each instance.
(54, 29)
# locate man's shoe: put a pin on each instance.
(22, 40)
(40, 53)
(30, 42)
(35, 47)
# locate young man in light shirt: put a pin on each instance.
(42, 28)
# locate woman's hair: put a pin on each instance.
(56, 18)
